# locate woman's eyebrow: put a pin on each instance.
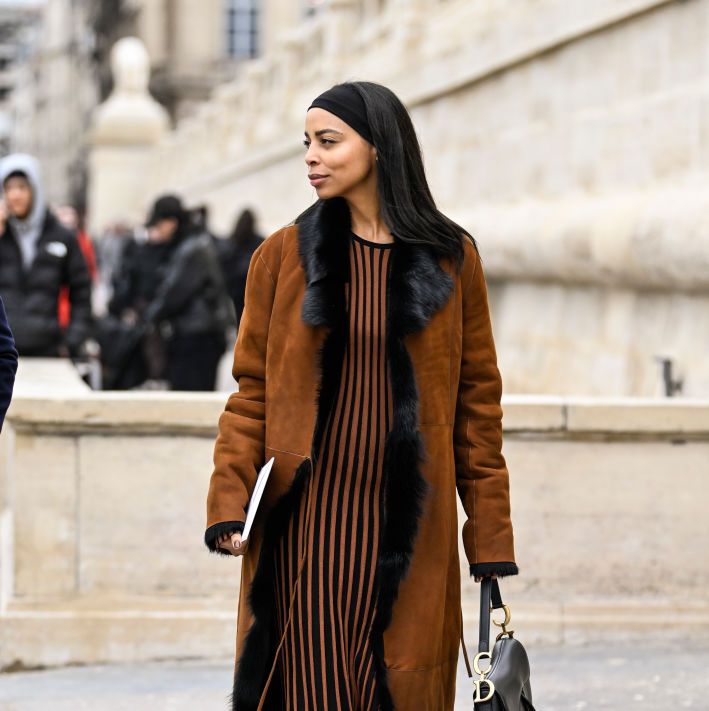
(325, 130)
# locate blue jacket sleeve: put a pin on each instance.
(8, 363)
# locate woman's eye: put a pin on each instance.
(306, 143)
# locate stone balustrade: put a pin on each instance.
(103, 505)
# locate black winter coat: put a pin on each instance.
(31, 296)
(191, 296)
(8, 364)
(140, 272)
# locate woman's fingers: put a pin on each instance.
(236, 544)
(478, 578)
(232, 543)
(223, 542)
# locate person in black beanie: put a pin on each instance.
(191, 308)
(171, 290)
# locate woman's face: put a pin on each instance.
(339, 160)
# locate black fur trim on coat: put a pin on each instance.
(260, 644)
(218, 529)
(417, 288)
(499, 569)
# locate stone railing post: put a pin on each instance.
(125, 129)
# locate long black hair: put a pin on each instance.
(407, 205)
(245, 227)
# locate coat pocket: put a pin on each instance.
(285, 465)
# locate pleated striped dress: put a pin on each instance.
(325, 662)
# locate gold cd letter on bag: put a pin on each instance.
(491, 691)
(477, 697)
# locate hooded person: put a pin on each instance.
(38, 256)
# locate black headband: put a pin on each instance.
(346, 103)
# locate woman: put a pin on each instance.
(367, 368)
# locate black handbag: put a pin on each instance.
(504, 684)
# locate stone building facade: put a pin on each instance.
(64, 71)
(569, 137)
(53, 97)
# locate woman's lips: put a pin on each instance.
(316, 180)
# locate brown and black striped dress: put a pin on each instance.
(325, 662)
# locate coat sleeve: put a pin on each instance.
(482, 478)
(8, 364)
(123, 280)
(239, 448)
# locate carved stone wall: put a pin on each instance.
(570, 137)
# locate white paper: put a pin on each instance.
(256, 497)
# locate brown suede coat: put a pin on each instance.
(447, 435)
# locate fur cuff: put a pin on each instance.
(499, 569)
(213, 532)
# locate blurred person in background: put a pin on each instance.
(38, 257)
(69, 217)
(8, 364)
(178, 296)
(235, 255)
(200, 221)
(133, 354)
(109, 253)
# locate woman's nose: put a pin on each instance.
(310, 157)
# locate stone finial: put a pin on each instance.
(130, 65)
(130, 115)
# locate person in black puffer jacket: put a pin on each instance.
(37, 258)
(190, 305)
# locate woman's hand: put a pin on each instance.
(478, 578)
(232, 543)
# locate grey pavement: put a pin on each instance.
(646, 677)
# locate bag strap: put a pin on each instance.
(462, 642)
(489, 593)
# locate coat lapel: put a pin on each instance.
(420, 286)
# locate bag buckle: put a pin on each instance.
(504, 623)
